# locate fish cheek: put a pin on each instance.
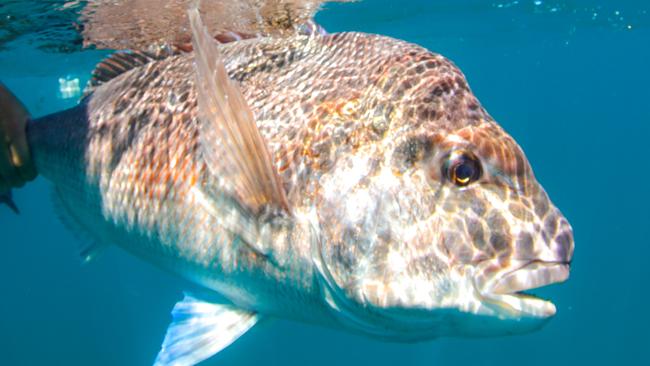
(456, 246)
(478, 207)
(500, 239)
(525, 246)
(477, 232)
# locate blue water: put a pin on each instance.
(568, 79)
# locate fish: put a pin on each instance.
(347, 180)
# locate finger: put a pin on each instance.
(21, 158)
(7, 170)
(18, 148)
(13, 122)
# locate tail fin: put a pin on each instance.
(8, 200)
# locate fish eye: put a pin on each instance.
(462, 168)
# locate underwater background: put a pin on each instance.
(569, 80)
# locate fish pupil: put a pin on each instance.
(464, 170)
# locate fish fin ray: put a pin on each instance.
(200, 330)
(226, 119)
(67, 216)
(121, 62)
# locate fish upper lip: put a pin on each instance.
(505, 291)
(533, 274)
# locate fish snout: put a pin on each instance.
(542, 259)
(548, 262)
(563, 241)
(555, 240)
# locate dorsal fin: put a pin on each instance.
(225, 119)
(121, 62)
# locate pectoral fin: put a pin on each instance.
(67, 207)
(200, 329)
(229, 136)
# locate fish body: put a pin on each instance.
(126, 162)
(370, 192)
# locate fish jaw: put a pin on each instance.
(463, 311)
(456, 303)
(506, 292)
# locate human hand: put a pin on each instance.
(16, 165)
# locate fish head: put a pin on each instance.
(437, 226)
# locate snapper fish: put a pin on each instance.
(348, 180)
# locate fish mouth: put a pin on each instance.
(507, 292)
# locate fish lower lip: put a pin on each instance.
(518, 305)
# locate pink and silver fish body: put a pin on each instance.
(349, 180)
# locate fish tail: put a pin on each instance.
(57, 142)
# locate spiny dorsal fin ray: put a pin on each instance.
(121, 62)
(226, 120)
